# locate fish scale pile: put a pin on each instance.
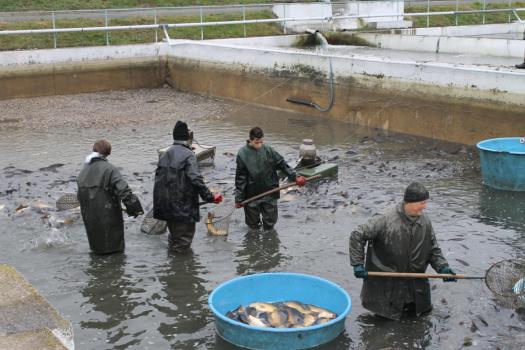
(287, 314)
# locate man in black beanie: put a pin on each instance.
(178, 184)
(400, 240)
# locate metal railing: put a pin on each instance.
(202, 24)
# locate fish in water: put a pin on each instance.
(288, 314)
(212, 229)
(463, 262)
(288, 198)
(42, 207)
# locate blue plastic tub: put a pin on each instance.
(503, 163)
(274, 287)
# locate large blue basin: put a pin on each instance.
(503, 163)
(274, 287)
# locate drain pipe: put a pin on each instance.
(330, 79)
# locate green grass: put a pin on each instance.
(18, 42)
(25, 5)
(464, 19)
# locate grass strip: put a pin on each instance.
(41, 41)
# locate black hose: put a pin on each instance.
(313, 104)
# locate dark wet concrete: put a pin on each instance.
(147, 299)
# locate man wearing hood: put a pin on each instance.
(101, 189)
(178, 185)
(400, 240)
(256, 173)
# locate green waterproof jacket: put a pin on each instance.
(101, 188)
(396, 242)
(257, 171)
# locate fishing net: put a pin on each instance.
(218, 219)
(152, 226)
(506, 279)
(67, 201)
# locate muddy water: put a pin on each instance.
(148, 299)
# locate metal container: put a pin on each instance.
(275, 287)
(307, 150)
(503, 163)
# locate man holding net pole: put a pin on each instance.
(178, 185)
(256, 173)
(400, 240)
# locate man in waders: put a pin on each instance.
(400, 240)
(101, 188)
(178, 184)
(256, 172)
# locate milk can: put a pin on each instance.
(307, 150)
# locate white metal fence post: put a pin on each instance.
(284, 15)
(244, 19)
(202, 28)
(457, 9)
(106, 20)
(484, 7)
(54, 27)
(510, 6)
(428, 10)
(156, 31)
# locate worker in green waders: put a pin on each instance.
(400, 240)
(256, 173)
(101, 189)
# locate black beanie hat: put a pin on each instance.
(416, 192)
(180, 131)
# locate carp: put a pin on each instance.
(288, 314)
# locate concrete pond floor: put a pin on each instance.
(146, 298)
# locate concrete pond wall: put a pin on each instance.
(431, 99)
(76, 70)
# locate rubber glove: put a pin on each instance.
(447, 270)
(217, 198)
(134, 208)
(360, 272)
(238, 205)
(300, 181)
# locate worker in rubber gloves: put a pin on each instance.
(400, 240)
(101, 188)
(256, 172)
(178, 184)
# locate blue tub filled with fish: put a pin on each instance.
(503, 163)
(279, 311)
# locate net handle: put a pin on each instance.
(277, 189)
(422, 275)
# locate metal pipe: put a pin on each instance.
(54, 27)
(202, 28)
(106, 22)
(156, 33)
(251, 21)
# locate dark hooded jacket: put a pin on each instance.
(257, 172)
(178, 184)
(101, 188)
(396, 243)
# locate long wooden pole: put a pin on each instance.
(422, 275)
(277, 189)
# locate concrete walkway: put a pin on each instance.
(466, 60)
(27, 320)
